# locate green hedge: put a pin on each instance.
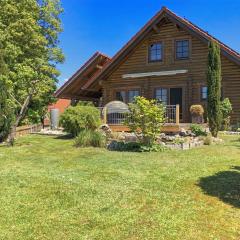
(78, 118)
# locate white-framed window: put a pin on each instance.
(155, 52)
(161, 95)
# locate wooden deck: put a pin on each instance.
(168, 128)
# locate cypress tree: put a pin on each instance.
(214, 88)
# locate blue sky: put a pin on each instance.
(106, 25)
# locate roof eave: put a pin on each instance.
(79, 72)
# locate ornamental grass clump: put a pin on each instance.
(90, 138)
(197, 110)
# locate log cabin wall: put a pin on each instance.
(190, 82)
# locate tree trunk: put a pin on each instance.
(20, 116)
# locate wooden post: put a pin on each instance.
(105, 115)
(177, 114)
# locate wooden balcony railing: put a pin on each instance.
(117, 116)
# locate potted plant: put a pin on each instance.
(197, 112)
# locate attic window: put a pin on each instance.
(182, 49)
(155, 52)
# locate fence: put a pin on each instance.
(118, 116)
(172, 114)
(24, 130)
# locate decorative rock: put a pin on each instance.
(190, 134)
(162, 135)
(183, 133)
(231, 133)
(185, 146)
(106, 129)
(48, 131)
(130, 137)
(121, 136)
(217, 140)
(162, 144)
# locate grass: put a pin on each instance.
(51, 190)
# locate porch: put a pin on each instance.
(115, 118)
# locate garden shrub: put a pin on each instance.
(78, 118)
(134, 147)
(90, 138)
(124, 147)
(146, 117)
(226, 109)
(198, 130)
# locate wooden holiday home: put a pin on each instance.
(165, 60)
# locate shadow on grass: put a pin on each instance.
(233, 143)
(65, 137)
(223, 185)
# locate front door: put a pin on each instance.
(176, 98)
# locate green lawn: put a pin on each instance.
(51, 190)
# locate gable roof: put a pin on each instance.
(182, 22)
(85, 73)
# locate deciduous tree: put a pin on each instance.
(29, 31)
(6, 108)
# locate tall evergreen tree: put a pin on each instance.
(214, 79)
(29, 31)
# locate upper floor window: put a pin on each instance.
(162, 95)
(204, 93)
(155, 52)
(182, 49)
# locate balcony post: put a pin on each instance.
(105, 115)
(177, 114)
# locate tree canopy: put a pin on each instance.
(29, 32)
